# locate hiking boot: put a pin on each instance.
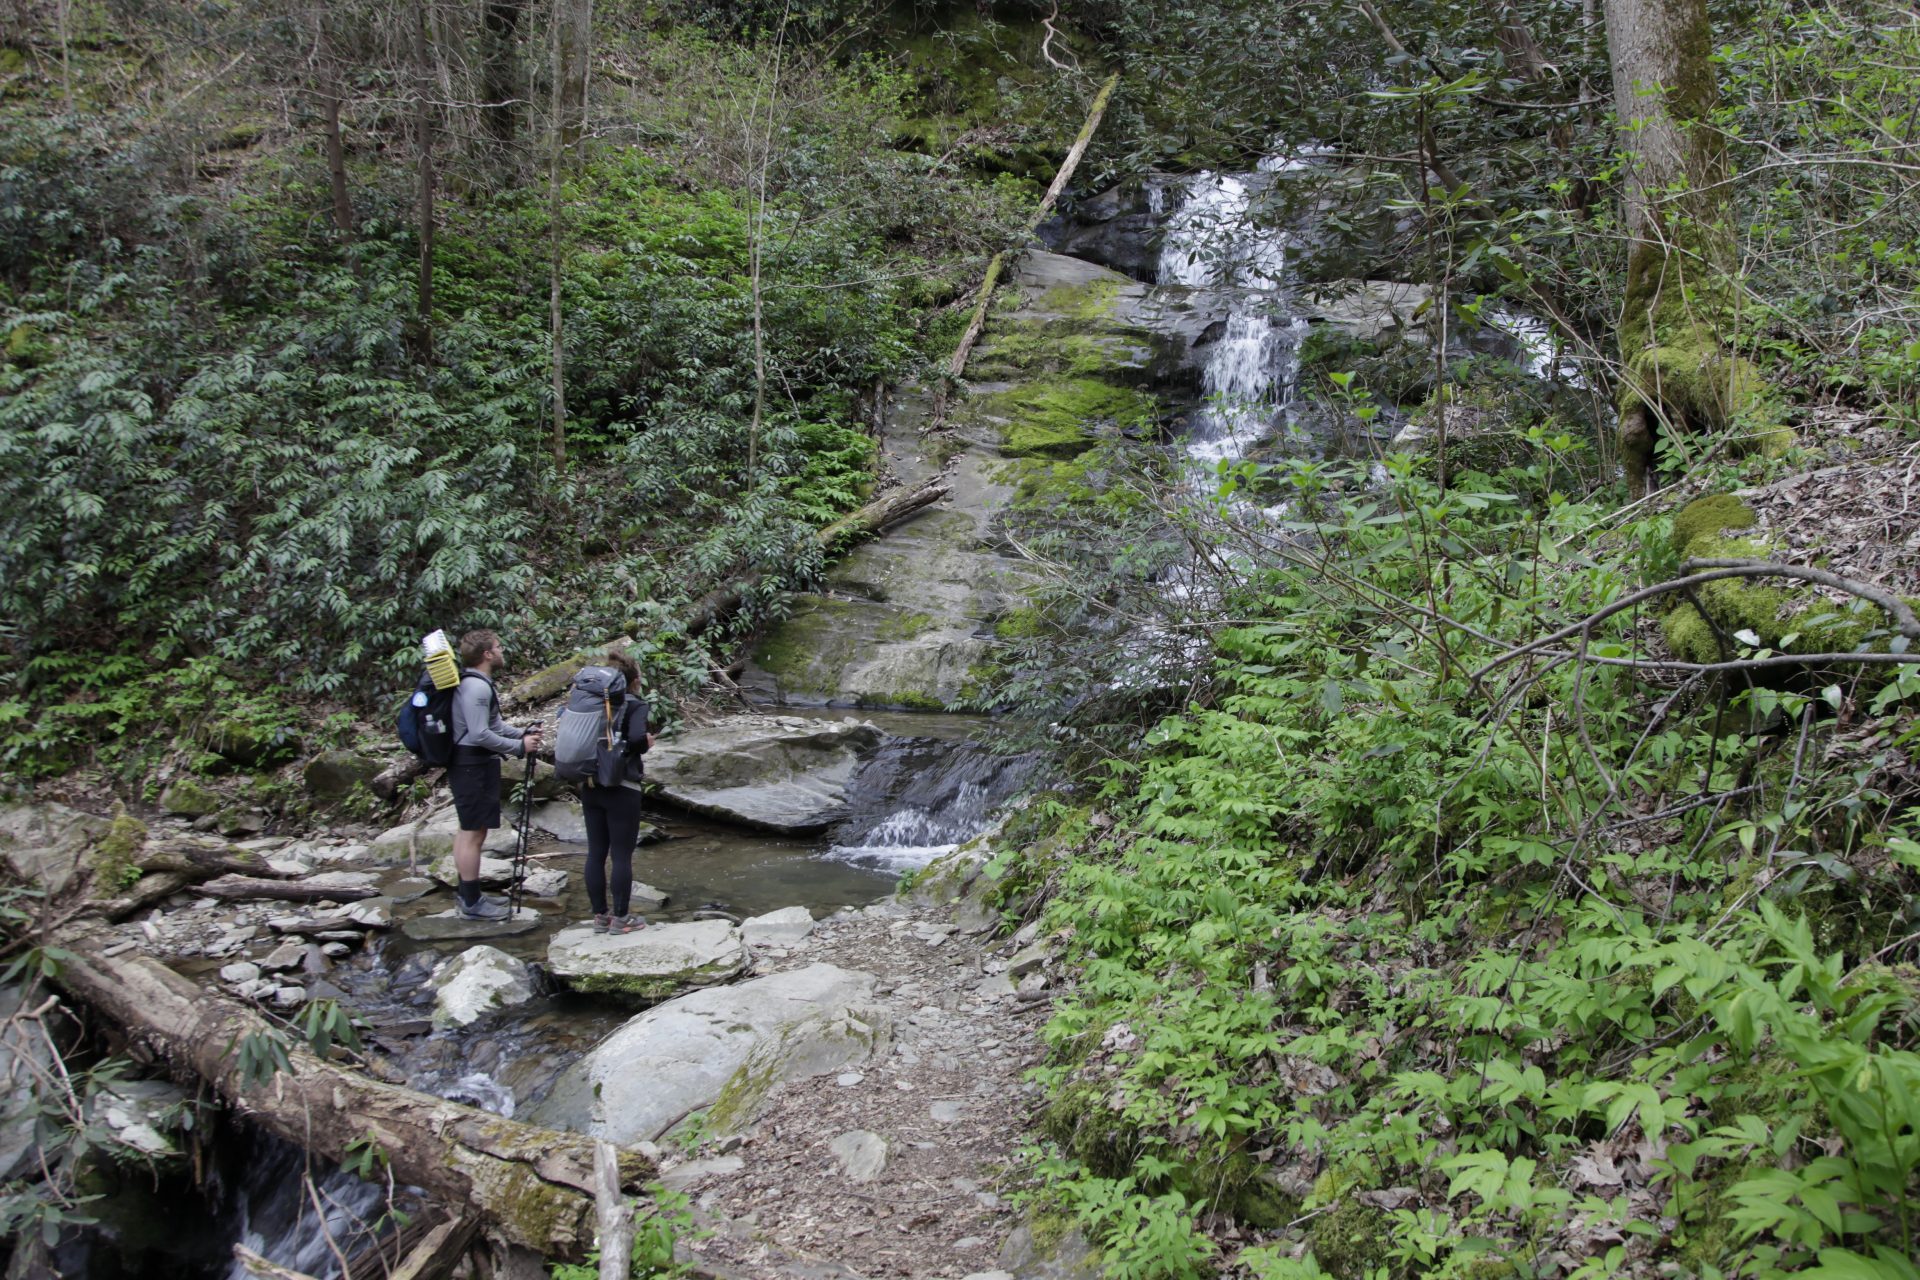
(485, 909)
(601, 922)
(626, 924)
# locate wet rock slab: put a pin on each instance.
(449, 926)
(721, 1049)
(653, 964)
(774, 773)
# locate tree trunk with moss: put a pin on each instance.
(1679, 317)
(531, 1188)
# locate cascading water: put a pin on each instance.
(1212, 242)
(271, 1204)
(919, 798)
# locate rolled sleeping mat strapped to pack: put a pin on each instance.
(442, 664)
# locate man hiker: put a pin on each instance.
(480, 740)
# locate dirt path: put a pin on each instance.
(945, 1103)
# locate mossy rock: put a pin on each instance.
(186, 798)
(1353, 1240)
(116, 852)
(1716, 514)
(251, 746)
(1023, 623)
(1061, 418)
(332, 775)
(1774, 614)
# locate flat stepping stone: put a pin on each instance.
(451, 926)
(653, 964)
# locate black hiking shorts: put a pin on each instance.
(476, 793)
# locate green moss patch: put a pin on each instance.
(1711, 515)
(1060, 418)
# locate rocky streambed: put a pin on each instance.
(779, 990)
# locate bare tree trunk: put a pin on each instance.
(572, 47)
(501, 81)
(63, 18)
(336, 158)
(1679, 315)
(423, 141)
(556, 318)
(534, 1188)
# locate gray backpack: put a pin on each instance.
(589, 724)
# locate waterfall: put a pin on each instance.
(1539, 349)
(266, 1205)
(918, 798)
(1212, 243)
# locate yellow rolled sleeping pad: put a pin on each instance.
(442, 665)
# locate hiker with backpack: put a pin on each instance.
(601, 736)
(481, 739)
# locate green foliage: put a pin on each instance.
(1463, 941)
(662, 1220)
(218, 436)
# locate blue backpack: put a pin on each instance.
(425, 723)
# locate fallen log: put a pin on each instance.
(254, 888)
(198, 857)
(534, 1188)
(143, 893)
(977, 325)
(388, 782)
(723, 602)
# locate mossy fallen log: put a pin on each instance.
(532, 1188)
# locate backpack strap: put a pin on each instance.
(493, 692)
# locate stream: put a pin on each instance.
(930, 784)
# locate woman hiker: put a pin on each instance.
(613, 813)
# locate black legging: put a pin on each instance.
(613, 828)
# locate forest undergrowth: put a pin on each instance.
(1413, 945)
(237, 433)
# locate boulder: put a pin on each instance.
(24, 1054)
(778, 928)
(432, 837)
(241, 821)
(479, 981)
(1367, 310)
(189, 798)
(561, 819)
(250, 746)
(495, 873)
(652, 964)
(775, 773)
(645, 895)
(334, 774)
(544, 882)
(729, 1044)
(48, 844)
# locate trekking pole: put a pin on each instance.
(520, 846)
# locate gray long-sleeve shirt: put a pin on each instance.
(476, 718)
